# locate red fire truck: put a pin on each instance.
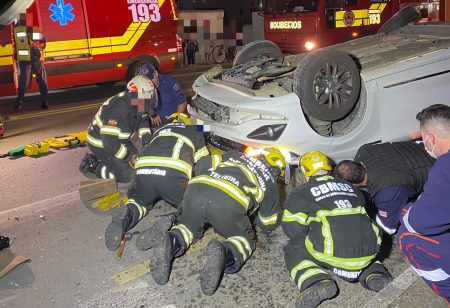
(303, 25)
(95, 41)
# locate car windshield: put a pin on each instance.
(290, 6)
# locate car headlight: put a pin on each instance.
(267, 132)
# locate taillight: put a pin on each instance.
(179, 43)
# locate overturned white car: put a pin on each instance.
(334, 99)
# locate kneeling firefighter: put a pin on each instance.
(224, 196)
(163, 170)
(109, 135)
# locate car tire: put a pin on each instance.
(260, 48)
(401, 18)
(328, 84)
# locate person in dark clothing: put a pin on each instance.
(163, 170)
(109, 135)
(328, 228)
(224, 194)
(191, 49)
(29, 44)
(392, 173)
(171, 98)
(424, 234)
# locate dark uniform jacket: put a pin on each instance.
(114, 124)
(395, 164)
(327, 214)
(175, 146)
(245, 179)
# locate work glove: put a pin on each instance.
(132, 161)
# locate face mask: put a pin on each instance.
(431, 153)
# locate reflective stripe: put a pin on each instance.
(388, 230)
(327, 237)
(377, 232)
(185, 139)
(21, 34)
(297, 217)
(36, 36)
(23, 52)
(122, 152)
(434, 275)
(231, 189)
(200, 153)
(406, 222)
(345, 263)
(111, 176)
(309, 273)
(97, 120)
(143, 131)
(270, 220)
(256, 191)
(242, 244)
(142, 210)
(110, 130)
(157, 161)
(124, 135)
(302, 265)
(95, 142)
(186, 233)
(177, 149)
(216, 160)
(103, 172)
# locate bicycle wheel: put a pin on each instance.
(218, 54)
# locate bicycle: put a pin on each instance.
(222, 52)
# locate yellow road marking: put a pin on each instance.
(143, 268)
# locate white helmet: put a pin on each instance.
(142, 86)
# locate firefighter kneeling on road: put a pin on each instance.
(235, 187)
(328, 227)
(163, 171)
(112, 127)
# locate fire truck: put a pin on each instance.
(303, 25)
(92, 41)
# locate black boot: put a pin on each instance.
(88, 165)
(377, 281)
(120, 224)
(44, 104)
(219, 258)
(163, 255)
(155, 234)
(317, 293)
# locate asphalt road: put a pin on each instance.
(70, 267)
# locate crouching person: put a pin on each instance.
(328, 228)
(109, 135)
(163, 170)
(223, 197)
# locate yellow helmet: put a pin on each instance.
(312, 162)
(180, 117)
(275, 158)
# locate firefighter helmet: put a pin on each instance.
(311, 162)
(142, 86)
(179, 117)
(275, 159)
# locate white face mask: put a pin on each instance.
(431, 153)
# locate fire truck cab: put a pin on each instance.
(91, 42)
(303, 25)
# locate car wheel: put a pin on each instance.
(261, 48)
(401, 18)
(328, 84)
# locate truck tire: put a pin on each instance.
(133, 68)
(401, 18)
(328, 84)
(260, 48)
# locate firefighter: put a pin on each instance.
(29, 44)
(171, 96)
(328, 228)
(424, 234)
(163, 170)
(392, 173)
(113, 153)
(235, 188)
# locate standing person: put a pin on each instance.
(29, 44)
(109, 135)
(163, 170)
(171, 98)
(328, 227)
(191, 49)
(424, 234)
(223, 197)
(392, 173)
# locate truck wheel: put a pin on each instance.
(401, 18)
(261, 48)
(133, 68)
(328, 84)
